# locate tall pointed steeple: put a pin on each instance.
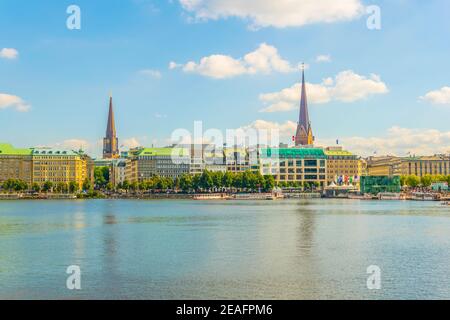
(304, 136)
(110, 142)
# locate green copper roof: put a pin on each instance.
(294, 153)
(338, 153)
(53, 152)
(154, 152)
(7, 149)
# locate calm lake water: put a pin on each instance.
(290, 249)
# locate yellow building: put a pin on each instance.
(292, 165)
(61, 166)
(384, 166)
(39, 165)
(429, 165)
(419, 166)
(341, 163)
(362, 167)
(15, 163)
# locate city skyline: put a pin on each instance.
(57, 78)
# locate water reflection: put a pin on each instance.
(241, 249)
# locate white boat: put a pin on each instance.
(389, 196)
(423, 196)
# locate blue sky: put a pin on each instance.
(387, 89)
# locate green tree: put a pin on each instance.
(196, 182)
(426, 180)
(227, 179)
(134, 186)
(101, 177)
(217, 178)
(47, 186)
(87, 185)
(62, 187)
(109, 186)
(36, 187)
(269, 182)
(186, 182)
(238, 180)
(142, 186)
(403, 180)
(73, 187)
(206, 180)
(413, 181)
(126, 185)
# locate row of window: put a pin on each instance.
(300, 177)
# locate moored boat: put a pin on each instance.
(389, 196)
(424, 196)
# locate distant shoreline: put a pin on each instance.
(189, 196)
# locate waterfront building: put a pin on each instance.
(342, 166)
(383, 166)
(15, 163)
(117, 169)
(362, 167)
(377, 184)
(290, 165)
(304, 135)
(237, 159)
(61, 166)
(117, 172)
(39, 165)
(204, 157)
(419, 166)
(144, 163)
(111, 142)
(428, 165)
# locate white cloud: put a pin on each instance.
(11, 101)
(265, 59)
(173, 65)
(131, 143)
(74, 144)
(151, 73)
(441, 96)
(395, 141)
(285, 130)
(347, 86)
(278, 14)
(9, 53)
(323, 58)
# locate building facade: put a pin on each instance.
(418, 166)
(61, 166)
(376, 184)
(144, 163)
(303, 165)
(15, 163)
(342, 165)
(39, 165)
(237, 159)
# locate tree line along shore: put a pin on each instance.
(207, 182)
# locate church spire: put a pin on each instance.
(304, 131)
(110, 142)
(111, 127)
